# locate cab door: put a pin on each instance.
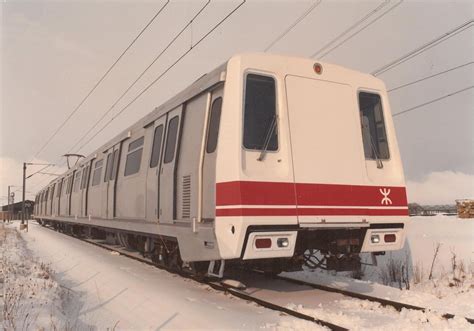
(267, 188)
(208, 189)
(167, 182)
(157, 131)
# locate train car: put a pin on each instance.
(268, 161)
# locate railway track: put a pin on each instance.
(384, 302)
(250, 295)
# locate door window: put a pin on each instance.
(157, 142)
(97, 172)
(213, 131)
(134, 157)
(171, 138)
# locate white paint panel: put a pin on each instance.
(324, 132)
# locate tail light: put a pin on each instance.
(263, 243)
(389, 238)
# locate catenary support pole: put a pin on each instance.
(8, 208)
(23, 195)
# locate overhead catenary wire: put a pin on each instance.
(35, 186)
(353, 26)
(423, 48)
(163, 73)
(169, 68)
(157, 57)
(96, 85)
(295, 23)
(430, 76)
(432, 101)
(46, 178)
(44, 168)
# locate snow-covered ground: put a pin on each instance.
(63, 283)
(448, 291)
(29, 296)
(90, 287)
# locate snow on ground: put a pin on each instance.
(29, 297)
(448, 291)
(110, 291)
(67, 283)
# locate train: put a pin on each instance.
(268, 162)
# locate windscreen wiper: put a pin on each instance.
(378, 161)
(268, 137)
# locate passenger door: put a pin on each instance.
(57, 210)
(85, 188)
(167, 179)
(76, 194)
(108, 185)
(94, 194)
(69, 192)
(52, 199)
(153, 179)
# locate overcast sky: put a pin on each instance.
(54, 52)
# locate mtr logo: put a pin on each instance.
(385, 193)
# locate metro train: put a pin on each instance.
(269, 162)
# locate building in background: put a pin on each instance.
(15, 210)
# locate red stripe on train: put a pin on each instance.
(310, 212)
(272, 193)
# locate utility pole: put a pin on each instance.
(23, 196)
(8, 209)
(24, 187)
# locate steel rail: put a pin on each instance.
(384, 302)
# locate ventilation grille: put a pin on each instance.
(186, 207)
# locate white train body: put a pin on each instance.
(303, 156)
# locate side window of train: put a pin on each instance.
(97, 172)
(156, 149)
(213, 131)
(171, 138)
(260, 118)
(60, 186)
(134, 157)
(374, 135)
